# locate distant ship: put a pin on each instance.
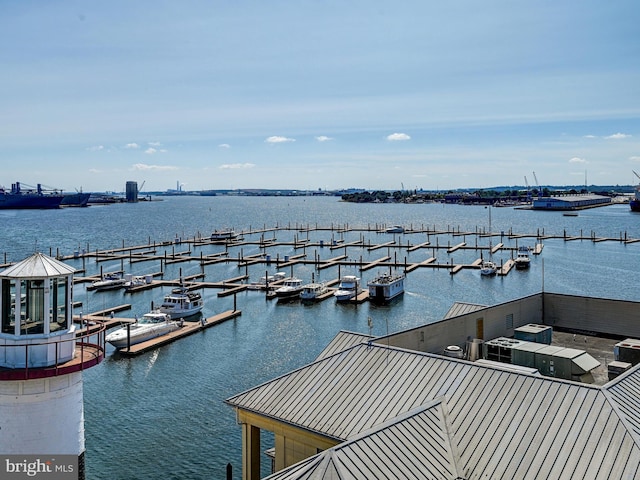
(634, 203)
(78, 199)
(32, 198)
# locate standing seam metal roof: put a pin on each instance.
(505, 424)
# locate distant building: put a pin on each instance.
(570, 202)
(132, 192)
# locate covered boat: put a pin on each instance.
(522, 261)
(386, 286)
(151, 325)
(311, 291)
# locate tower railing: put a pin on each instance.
(88, 348)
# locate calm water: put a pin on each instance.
(162, 414)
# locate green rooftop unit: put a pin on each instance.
(534, 333)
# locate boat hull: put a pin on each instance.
(139, 334)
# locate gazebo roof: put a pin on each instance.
(37, 265)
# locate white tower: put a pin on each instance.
(41, 361)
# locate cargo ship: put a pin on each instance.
(17, 198)
(634, 203)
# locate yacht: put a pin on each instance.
(522, 261)
(488, 268)
(151, 325)
(108, 281)
(291, 288)
(311, 291)
(348, 288)
(181, 303)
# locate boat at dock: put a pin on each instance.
(181, 303)
(32, 198)
(348, 288)
(311, 291)
(267, 280)
(488, 268)
(108, 281)
(395, 229)
(522, 261)
(150, 325)
(386, 286)
(224, 234)
(290, 288)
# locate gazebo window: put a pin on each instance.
(8, 306)
(58, 305)
(32, 312)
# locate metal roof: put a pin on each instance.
(503, 424)
(462, 308)
(382, 452)
(38, 265)
(342, 341)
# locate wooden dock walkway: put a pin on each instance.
(187, 329)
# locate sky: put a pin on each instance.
(319, 94)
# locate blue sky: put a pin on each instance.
(319, 94)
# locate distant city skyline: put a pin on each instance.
(309, 95)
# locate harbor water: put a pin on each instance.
(162, 414)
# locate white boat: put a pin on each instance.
(151, 325)
(488, 268)
(267, 280)
(395, 229)
(312, 291)
(290, 288)
(224, 234)
(522, 261)
(108, 281)
(132, 282)
(348, 288)
(181, 303)
(386, 286)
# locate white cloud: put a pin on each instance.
(150, 151)
(617, 136)
(635, 158)
(132, 146)
(96, 148)
(398, 137)
(224, 145)
(323, 138)
(589, 136)
(577, 160)
(278, 139)
(154, 144)
(236, 166)
(144, 167)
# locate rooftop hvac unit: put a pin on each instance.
(500, 349)
(534, 333)
(453, 351)
(617, 368)
(627, 351)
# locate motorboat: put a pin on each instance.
(386, 286)
(488, 268)
(267, 280)
(150, 325)
(108, 281)
(181, 303)
(348, 288)
(522, 260)
(395, 229)
(135, 281)
(224, 234)
(311, 291)
(290, 288)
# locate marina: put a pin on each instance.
(299, 237)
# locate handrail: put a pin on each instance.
(91, 343)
